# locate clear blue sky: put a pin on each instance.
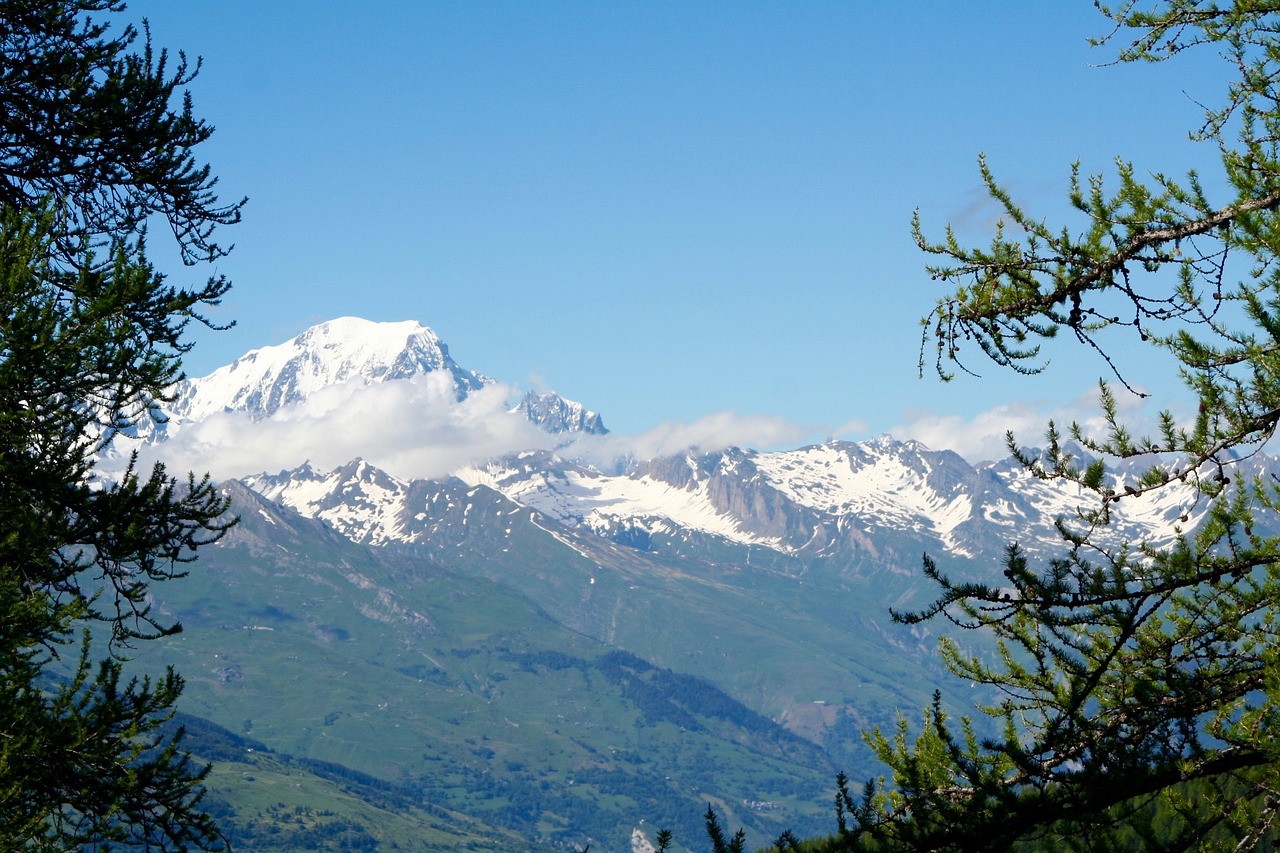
(663, 210)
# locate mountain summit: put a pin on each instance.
(264, 380)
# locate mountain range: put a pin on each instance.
(564, 646)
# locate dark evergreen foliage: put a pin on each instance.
(88, 119)
(90, 339)
(1138, 679)
(720, 844)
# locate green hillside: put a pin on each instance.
(270, 801)
(464, 693)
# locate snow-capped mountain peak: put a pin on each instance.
(347, 349)
(345, 388)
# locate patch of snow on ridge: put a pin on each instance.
(829, 479)
(580, 496)
(295, 488)
(360, 501)
(1151, 516)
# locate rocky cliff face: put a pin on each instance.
(555, 414)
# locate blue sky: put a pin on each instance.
(663, 210)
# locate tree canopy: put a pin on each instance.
(92, 151)
(1139, 683)
(88, 117)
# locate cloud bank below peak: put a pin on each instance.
(416, 428)
(412, 428)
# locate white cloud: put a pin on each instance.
(856, 426)
(412, 428)
(712, 432)
(415, 428)
(982, 436)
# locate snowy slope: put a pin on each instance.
(360, 501)
(580, 496)
(900, 484)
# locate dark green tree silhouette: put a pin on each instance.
(92, 150)
(99, 121)
(720, 844)
(1139, 680)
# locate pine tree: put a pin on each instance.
(1140, 682)
(91, 151)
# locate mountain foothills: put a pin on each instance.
(565, 645)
